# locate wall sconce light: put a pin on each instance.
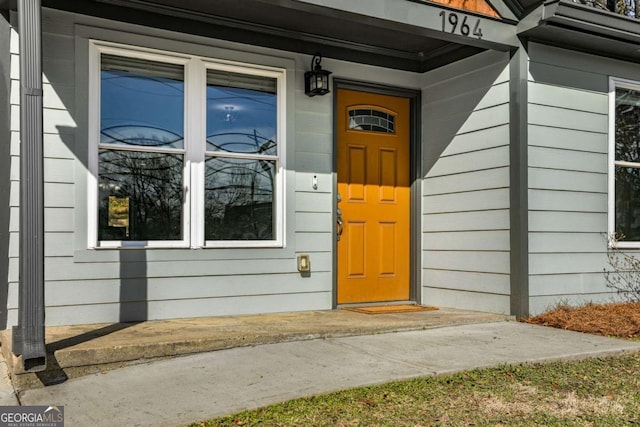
(316, 81)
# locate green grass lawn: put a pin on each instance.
(593, 392)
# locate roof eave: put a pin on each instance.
(585, 28)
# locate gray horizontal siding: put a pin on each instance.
(310, 142)
(55, 147)
(465, 202)
(14, 196)
(568, 98)
(465, 300)
(64, 268)
(314, 162)
(467, 181)
(566, 242)
(567, 201)
(312, 120)
(564, 159)
(59, 71)
(313, 221)
(15, 144)
(106, 291)
(57, 46)
(578, 222)
(52, 96)
(58, 195)
(55, 244)
(491, 137)
(486, 70)
(57, 220)
(490, 283)
(441, 102)
(575, 64)
(545, 136)
(464, 122)
(497, 198)
(314, 202)
(471, 261)
(467, 221)
(568, 194)
(58, 171)
(563, 77)
(188, 308)
(585, 283)
(485, 240)
(14, 176)
(567, 180)
(478, 160)
(567, 119)
(566, 263)
(15, 61)
(5, 155)
(313, 242)
(54, 120)
(100, 256)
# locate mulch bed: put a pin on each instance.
(614, 320)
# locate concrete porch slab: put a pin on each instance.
(75, 351)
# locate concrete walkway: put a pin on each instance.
(75, 351)
(191, 388)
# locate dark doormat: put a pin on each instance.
(389, 309)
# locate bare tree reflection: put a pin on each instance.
(239, 192)
(151, 181)
(627, 147)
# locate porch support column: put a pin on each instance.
(28, 336)
(519, 187)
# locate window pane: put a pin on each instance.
(627, 125)
(241, 113)
(239, 199)
(628, 203)
(140, 195)
(141, 103)
(371, 120)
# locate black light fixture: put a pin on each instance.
(316, 81)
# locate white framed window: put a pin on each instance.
(624, 163)
(184, 151)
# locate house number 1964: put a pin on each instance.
(452, 22)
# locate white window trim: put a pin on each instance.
(615, 82)
(194, 147)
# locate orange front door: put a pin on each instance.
(373, 187)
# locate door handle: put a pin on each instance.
(340, 226)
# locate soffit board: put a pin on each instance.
(417, 43)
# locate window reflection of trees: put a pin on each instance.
(141, 155)
(627, 179)
(239, 192)
(241, 156)
(151, 181)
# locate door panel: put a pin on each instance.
(373, 182)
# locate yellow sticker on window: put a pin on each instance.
(118, 211)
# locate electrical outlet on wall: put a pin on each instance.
(304, 263)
